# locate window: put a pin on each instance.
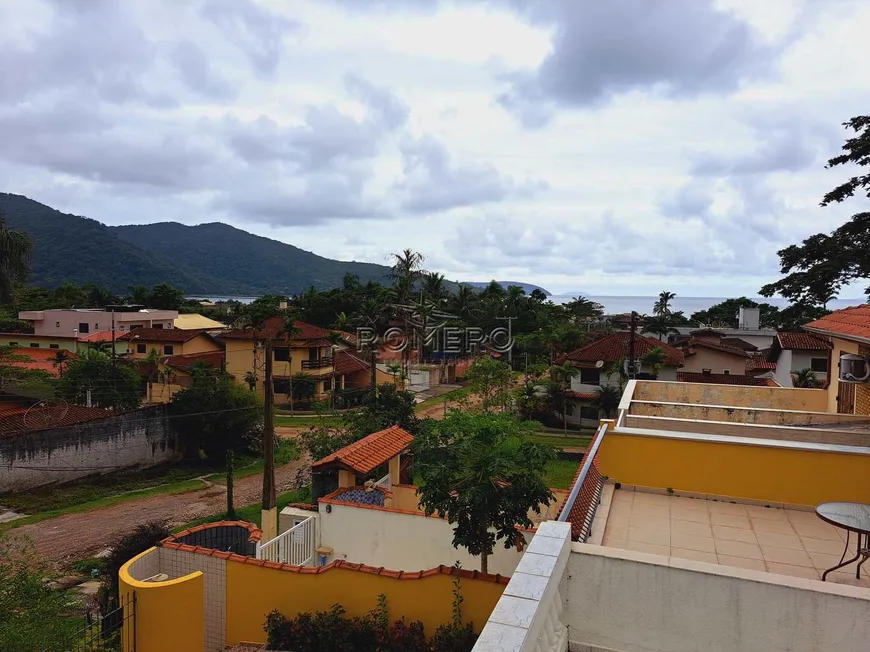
(327, 384)
(589, 413)
(84, 328)
(168, 349)
(13, 345)
(57, 324)
(135, 326)
(706, 371)
(313, 354)
(819, 365)
(140, 348)
(34, 345)
(96, 327)
(590, 376)
(727, 372)
(282, 354)
(158, 326)
(54, 346)
(569, 409)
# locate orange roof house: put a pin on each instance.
(615, 347)
(370, 452)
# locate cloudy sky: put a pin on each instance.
(619, 147)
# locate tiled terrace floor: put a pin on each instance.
(784, 541)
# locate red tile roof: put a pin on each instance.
(615, 347)
(185, 362)
(582, 396)
(367, 454)
(691, 344)
(848, 323)
(100, 336)
(724, 379)
(348, 361)
(13, 422)
(275, 325)
(759, 361)
(161, 335)
(803, 341)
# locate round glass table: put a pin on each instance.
(852, 517)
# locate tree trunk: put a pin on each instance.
(231, 512)
(565, 420)
(484, 563)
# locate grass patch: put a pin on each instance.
(453, 395)
(307, 422)
(286, 452)
(251, 513)
(571, 441)
(560, 473)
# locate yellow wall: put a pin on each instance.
(737, 470)
(24, 340)
(783, 398)
(839, 348)
(405, 497)
(240, 360)
(199, 344)
(738, 415)
(253, 591)
(169, 615)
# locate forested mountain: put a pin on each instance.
(232, 255)
(206, 259)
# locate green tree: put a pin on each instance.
(380, 409)
(484, 475)
(15, 252)
(725, 314)
(562, 375)
(583, 307)
(662, 307)
(607, 399)
(655, 358)
(30, 609)
(818, 268)
(805, 378)
(218, 416)
(491, 381)
(165, 297)
(93, 377)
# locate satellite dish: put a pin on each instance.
(45, 413)
(599, 364)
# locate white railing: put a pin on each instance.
(386, 482)
(295, 546)
(529, 615)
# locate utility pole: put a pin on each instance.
(631, 348)
(374, 369)
(269, 513)
(511, 340)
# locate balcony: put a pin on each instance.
(320, 363)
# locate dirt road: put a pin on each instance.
(67, 538)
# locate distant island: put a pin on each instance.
(527, 287)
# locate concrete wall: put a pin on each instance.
(623, 601)
(782, 398)
(399, 540)
(716, 361)
(64, 322)
(36, 458)
(761, 431)
(169, 615)
(787, 473)
(784, 366)
(739, 414)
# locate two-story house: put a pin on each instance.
(595, 364)
(793, 352)
(306, 352)
(167, 341)
(706, 353)
(849, 330)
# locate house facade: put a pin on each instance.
(167, 342)
(706, 354)
(595, 364)
(75, 322)
(793, 352)
(849, 331)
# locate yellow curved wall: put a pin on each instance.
(169, 615)
(253, 591)
(797, 477)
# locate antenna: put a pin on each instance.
(599, 364)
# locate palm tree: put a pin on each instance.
(805, 378)
(607, 399)
(251, 380)
(562, 376)
(433, 287)
(464, 302)
(15, 251)
(59, 360)
(405, 273)
(662, 307)
(659, 326)
(655, 358)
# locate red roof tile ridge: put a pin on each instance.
(371, 451)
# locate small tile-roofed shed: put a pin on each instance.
(362, 457)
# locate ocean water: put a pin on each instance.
(614, 305)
